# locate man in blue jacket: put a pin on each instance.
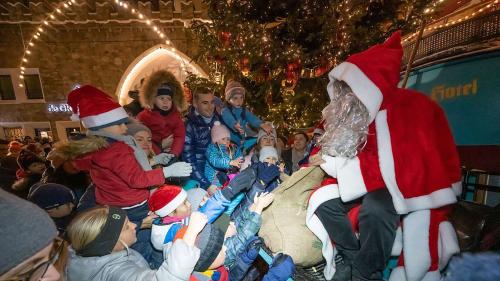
(199, 122)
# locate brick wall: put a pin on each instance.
(95, 45)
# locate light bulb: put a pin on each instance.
(25, 60)
(31, 44)
(20, 85)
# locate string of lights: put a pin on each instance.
(59, 10)
(482, 9)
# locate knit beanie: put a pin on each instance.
(165, 90)
(233, 88)
(135, 127)
(195, 196)
(209, 241)
(51, 195)
(166, 199)
(263, 133)
(15, 146)
(268, 151)
(26, 158)
(219, 132)
(26, 230)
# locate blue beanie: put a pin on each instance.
(51, 195)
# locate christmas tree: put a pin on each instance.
(281, 50)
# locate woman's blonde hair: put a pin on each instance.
(86, 226)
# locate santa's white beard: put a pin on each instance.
(346, 123)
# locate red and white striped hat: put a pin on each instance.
(94, 108)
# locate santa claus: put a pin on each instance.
(393, 157)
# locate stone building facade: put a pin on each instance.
(91, 42)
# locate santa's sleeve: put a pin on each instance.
(448, 149)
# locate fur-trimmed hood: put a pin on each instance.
(148, 90)
(71, 150)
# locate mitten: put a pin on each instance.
(163, 158)
(179, 169)
(267, 173)
(281, 269)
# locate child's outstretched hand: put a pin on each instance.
(197, 222)
(238, 128)
(266, 126)
(236, 162)
(262, 200)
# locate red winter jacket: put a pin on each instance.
(118, 177)
(163, 126)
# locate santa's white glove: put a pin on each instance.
(330, 167)
(163, 158)
(179, 169)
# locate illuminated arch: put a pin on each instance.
(158, 57)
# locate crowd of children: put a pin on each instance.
(153, 196)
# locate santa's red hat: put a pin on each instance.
(373, 75)
(166, 199)
(95, 109)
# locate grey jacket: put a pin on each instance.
(129, 265)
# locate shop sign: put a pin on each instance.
(58, 108)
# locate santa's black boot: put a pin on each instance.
(343, 266)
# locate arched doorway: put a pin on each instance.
(155, 58)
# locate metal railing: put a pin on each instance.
(466, 33)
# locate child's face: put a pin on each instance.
(237, 100)
(184, 210)
(116, 129)
(36, 168)
(144, 141)
(270, 160)
(267, 141)
(163, 102)
(224, 141)
(61, 211)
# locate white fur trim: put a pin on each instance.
(447, 243)
(432, 276)
(104, 118)
(74, 117)
(436, 199)
(158, 233)
(398, 274)
(457, 188)
(320, 196)
(350, 179)
(172, 205)
(397, 247)
(416, 244)
(329, 166)
(367, 92)
(386, 162)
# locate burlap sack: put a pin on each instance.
(284, 221)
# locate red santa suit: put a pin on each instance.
(409, 150)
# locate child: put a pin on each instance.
(217, 249)
(261, 177)
(238, 118)
(57, 200)
(163, 98)
(31, 170)
(119, 175)
(222, 156)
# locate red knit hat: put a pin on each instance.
(373, 75)
(319, 128)
(95, 108)
(166, 199)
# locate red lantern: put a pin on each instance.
(245, 65)
(292, 72)
(225, 37)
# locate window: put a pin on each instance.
(13, 133)
(33, 87)
(6, 88)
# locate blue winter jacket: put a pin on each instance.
(218, 162)
(197, 140)
(232, 115)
